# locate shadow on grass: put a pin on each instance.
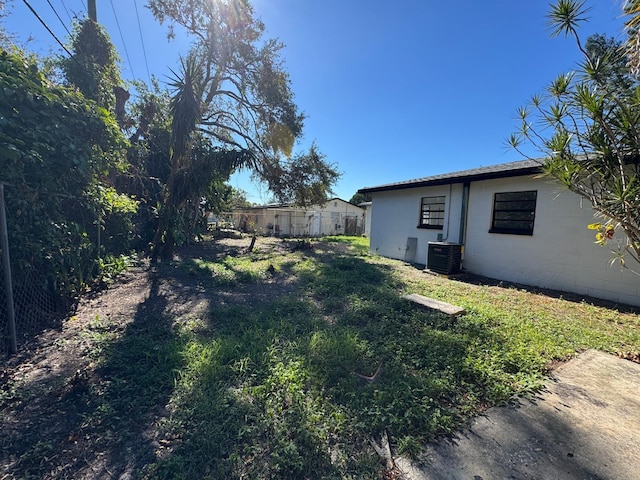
(96, 423)
(273, 388)
(479, 280)
(278, 390)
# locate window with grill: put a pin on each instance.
(514, 212)
(431, 212)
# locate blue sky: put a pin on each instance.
(392, 90)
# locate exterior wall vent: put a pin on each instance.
(444, 258)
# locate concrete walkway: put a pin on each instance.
(584, 425)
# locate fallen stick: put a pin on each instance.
(369, 378)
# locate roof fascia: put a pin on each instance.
(454, 180)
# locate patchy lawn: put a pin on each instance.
(280, 363)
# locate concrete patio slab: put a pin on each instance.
(585, 425)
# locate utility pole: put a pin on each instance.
(6, 269)
(91, 9)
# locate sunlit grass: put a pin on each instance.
(252, 267)
(358, 245)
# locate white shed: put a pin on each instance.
(335, 217)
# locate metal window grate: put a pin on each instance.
(514, 212)
(432, 212)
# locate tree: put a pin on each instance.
(587, 127)
(359, 198)
(237, 198)
(200, 189)
(232, 89)
(631, 10)
(304, 180)
(5, 38)
(615, 71)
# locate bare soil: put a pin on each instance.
(44, 402)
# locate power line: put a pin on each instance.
(48, 29)
(144, 51)
(67, 11)
(54, 11)
(124, 45)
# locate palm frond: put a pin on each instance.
(566, 15)
(185, 103)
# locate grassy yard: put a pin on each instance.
(272, 387)
(271, 392)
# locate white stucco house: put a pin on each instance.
(335, 217)
(506, 222)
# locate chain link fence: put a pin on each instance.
(293, 222)
(34, 310)
(34, 307)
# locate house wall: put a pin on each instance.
(281, 221)
(290, 222)
(395, 216)
(560, 254)
(333, 214)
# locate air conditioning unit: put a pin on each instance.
(444, 257)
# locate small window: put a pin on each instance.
(514, 212)
(432, 212)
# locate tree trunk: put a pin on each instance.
(163, 243)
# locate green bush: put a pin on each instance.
(57, 151)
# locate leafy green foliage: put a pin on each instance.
(246, 97)
(631, 9)
(199, 185)
(565, 16)
(56, 147)
(5, 37)
(359, 198)
(586, 127)
(304, 180)
(227, 199)
(148, 159)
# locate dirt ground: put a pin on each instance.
(42, 405)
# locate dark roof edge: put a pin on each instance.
(462, 177)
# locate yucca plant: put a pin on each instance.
(587, 127)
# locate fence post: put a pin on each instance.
(6, 269)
